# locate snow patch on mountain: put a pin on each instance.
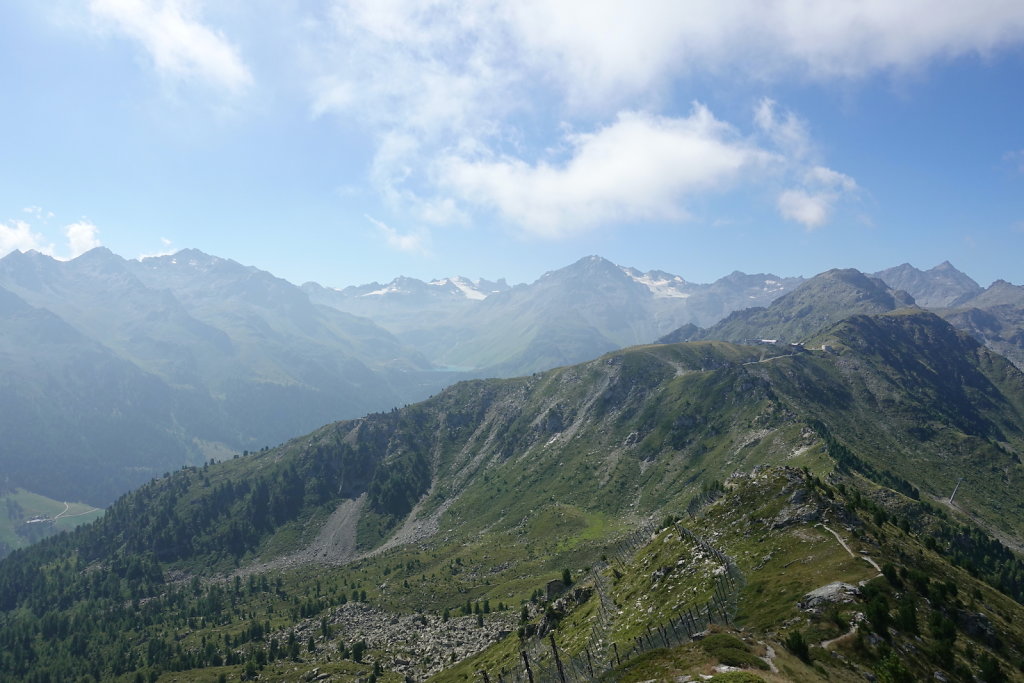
(468, 288)
(455, 288)
(662, 285)
(769, 287)
(390, 288)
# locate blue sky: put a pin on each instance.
(345, 142)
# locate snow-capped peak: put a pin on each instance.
(450, 287)
(662, 285)
(390, 288)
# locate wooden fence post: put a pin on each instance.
(526, 663)
(558, 662)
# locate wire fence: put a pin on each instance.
(543, 661)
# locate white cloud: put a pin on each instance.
(812, 210)
(38, 212)
(640, 167)
(421, 65)
(18, 235)
(434, 63)
(415, 242)
(459, 93)
(812, 205)
(786, 130)
(821, 188)
(826, 177)
(181, 47)
(331, 94)
(1015, 157)
(81, 237)
(611, 48)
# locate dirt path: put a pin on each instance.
(825, 644)
(769, 358)
(64, 512)
(847, 548)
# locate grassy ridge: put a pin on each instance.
(785, 529)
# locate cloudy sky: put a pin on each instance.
(345, 142)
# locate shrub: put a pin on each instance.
(731, 651)
(796, 644)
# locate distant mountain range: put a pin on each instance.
(566, 316)
(994, 316)
(114, 370)
(814, 305)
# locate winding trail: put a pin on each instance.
(64, 512)
(847, 548)
(769, 358)
(825, 644)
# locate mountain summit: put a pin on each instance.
(939, 287)
(566, 316)
(814, 305)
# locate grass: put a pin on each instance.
(19, 506)
(781, 563)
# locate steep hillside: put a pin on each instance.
(233, 358)
(461, 509)
(995, 317)
(79, 422)
(813, 306)
(929, 404)
(784, 577)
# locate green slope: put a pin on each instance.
(786, 534)
(813, 306)
(487, 491)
